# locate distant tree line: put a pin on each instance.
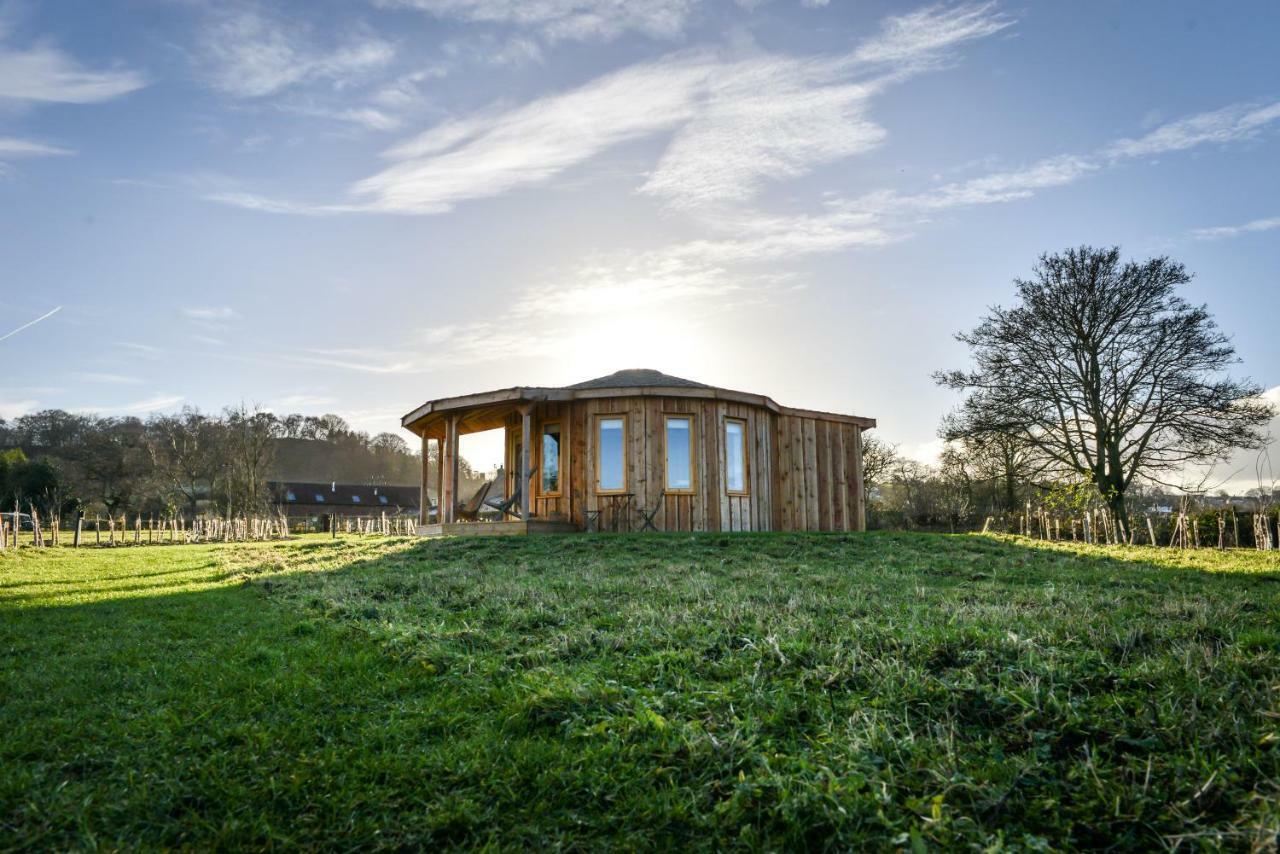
(187, 462)
(972, 486)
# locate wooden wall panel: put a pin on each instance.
(803, 473)
(815, 479)
(709, 507)
(840, 497)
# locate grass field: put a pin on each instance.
(753, 691)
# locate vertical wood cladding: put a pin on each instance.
(803, 473)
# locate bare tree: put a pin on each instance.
(1003, 465)
(1104, 371)
(878, 458)
(187, 451)
(111, 461)
(249, 452)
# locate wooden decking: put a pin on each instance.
(497, 529)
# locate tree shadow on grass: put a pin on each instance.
(211, 719)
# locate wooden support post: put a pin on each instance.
(439, 479)
(424, 500)
(451, 502)
(526, 435)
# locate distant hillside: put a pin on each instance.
(346, 462)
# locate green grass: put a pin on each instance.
(750, 691)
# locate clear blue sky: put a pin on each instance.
(353, 207)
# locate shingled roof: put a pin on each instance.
(638, 378)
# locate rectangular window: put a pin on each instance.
(289, 496)
(611, 459)
(550, 465)
(735, 457)
(679, 450)
(355, 499)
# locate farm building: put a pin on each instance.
(642, 450)
(320, 501)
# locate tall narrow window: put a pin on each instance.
(611, 465)
(679, 448)
(735, 457)
(550, 459)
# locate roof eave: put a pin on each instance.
(536, 394)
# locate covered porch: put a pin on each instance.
(527, 498)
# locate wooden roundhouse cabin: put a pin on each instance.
(642, 450)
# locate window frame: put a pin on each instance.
(541, 462)
(746, 458)
(626, 432)
(692, 488)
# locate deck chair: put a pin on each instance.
(510, 506)
(470, 511)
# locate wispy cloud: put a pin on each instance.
(14, 147)
(365, 361)
(774, 118)
(1268, 224)
(146, 350)
(567, 19)
(372, 118)
(108, 379)
(158, 403)
(1230, 124)
(763, 120)
(739, 123)
(218, 312)
(30, 323)
(247, 54)
(254, 202)
(490, 153)
(45, 73)
(925, 36)
(1004, 186)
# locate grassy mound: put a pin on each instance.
(640, 691)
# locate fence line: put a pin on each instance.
(176, 530)
(1180, 530)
